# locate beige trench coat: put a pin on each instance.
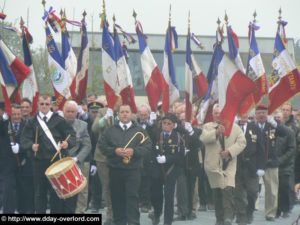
(235, 143)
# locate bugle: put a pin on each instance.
(126, 160)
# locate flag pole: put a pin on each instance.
(30, 53)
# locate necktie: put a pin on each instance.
(16, 127)
(124, 127)
(166, 137)
(45, 119)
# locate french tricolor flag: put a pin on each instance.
(125, 86)
(285, 77)
(109, 68)
(195, 81)
(152, 76)
(172, 92)
(233, 87)
(255, 67)
(212, 95)
(13, 73)
(82, 66)
(58, 74)
(30, 85)
(69, 60)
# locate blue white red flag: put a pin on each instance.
(233, 88)
(233, 44)
(195, 81)
(212, 95)
(58, 74)
(285, 77)
(82, 66)
(255, 68)
(52, 19)
(69, 60)
(109, 68)
(30, 84)
(13, 73)
(169, 70)
(125, 86)
(153, 79)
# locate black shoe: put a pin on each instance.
(192, 216)
(285, 215)
(270, 219)
(180, 218)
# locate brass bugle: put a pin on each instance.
(126, 160)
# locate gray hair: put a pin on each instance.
(145, 106)
(70, 102)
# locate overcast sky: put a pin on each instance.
(154, 14)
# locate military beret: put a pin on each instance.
(261, 107)
(170, 116)
(95, 106)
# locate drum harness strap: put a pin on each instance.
(48, 133)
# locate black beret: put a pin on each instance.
(170, 116)
(95, 106)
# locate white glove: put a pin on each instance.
(93, 170)
(80, 110)
(75, 159)
(189, 128)
(5, 116)
(260, 172)
(109, 113)
(271, 120)
(153, 116)
(15, 147)
(186, 151)
(161, 159)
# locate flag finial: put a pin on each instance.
(189, 22)
(279, 17)
(254, 17)
(44, 3)
(226, 19)
(170, 13)
(84, 14)
(134, 14)
(218, 22)
(22, 21)
(103, 7)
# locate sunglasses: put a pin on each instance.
(45, 104)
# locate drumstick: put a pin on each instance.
(59, 148)
(36, 137)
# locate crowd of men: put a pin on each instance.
(145, 162)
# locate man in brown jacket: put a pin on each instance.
(222, 180)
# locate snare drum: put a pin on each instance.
(66, 178)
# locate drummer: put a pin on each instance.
(43, 148)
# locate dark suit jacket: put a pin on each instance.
(253, 156)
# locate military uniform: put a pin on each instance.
(164, 176)
(246, 179)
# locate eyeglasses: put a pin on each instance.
(47, 104)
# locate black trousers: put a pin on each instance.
(25, 194)
(8, 193)
(124, 187)
(204, 189)
(283, 194)
(163, 191)
(42, 186)
(144, 191)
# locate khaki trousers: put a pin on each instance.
(82, 199)
(271, 182)
(103, 172)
